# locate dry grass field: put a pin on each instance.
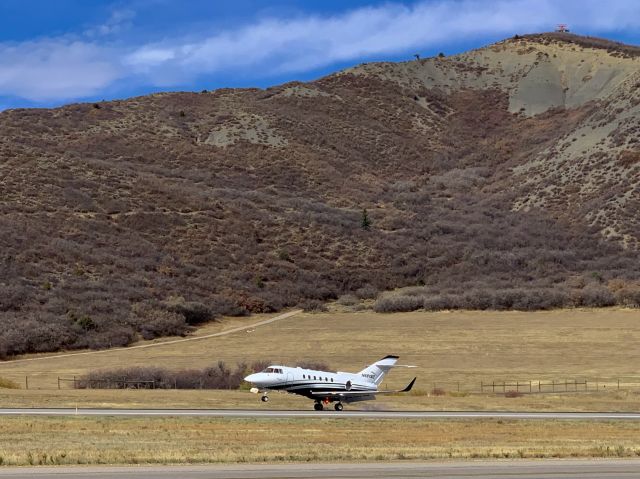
(464, 347)
(197, 440)
(449, 348)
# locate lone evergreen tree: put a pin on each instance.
(365, 222)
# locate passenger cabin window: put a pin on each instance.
(331, 379)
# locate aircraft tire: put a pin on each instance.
(318, 406)
(338, 406)
(264, 398)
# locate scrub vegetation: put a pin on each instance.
(151, 216)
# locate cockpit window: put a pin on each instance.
(273, 370)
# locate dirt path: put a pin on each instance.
(160, 344)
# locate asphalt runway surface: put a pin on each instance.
(251, 413)
(547, 469)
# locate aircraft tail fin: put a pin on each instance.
(376, 371)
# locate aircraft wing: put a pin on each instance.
(362, 393)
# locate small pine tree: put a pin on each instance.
(365, 222)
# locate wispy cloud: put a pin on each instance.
(56, 69)
(65, 68)
(119, 20)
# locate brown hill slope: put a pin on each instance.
(134, 217)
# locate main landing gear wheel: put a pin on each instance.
(318, 406)
(338, 406)
(264, 398)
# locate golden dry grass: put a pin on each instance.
(197, 440)
(449, 347)
(461, 346)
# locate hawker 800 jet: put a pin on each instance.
(326, 387)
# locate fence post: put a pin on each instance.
(553, 385)
(530, 386)
(481, 386)
(618, 384)
(58, 382)
(26, 382)
(493, 386)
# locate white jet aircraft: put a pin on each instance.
(325, 387)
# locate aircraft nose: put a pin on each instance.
(251, 378)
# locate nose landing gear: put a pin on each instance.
(264, 398)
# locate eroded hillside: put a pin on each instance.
(140, 217)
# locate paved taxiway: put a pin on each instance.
(587, 416)
(549, 469)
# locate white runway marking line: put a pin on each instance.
(159, 344)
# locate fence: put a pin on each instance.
(124, 383)
(554, 386)
(47, 381)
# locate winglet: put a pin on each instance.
(408, 388)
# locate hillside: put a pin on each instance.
(503, 177)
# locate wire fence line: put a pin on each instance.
(497, 386)
(538, 386)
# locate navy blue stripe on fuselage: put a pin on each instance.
(296, 386)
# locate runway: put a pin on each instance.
(246, 413)
(549, 469)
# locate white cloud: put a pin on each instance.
(299, 44)
(56, 69)
(66, 68)
(119, 20)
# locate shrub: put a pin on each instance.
(366, 292)
(629, 297)
(163, 323)
(313, 306)
(594, 296)
(393, 304)
(218, 376)
(347, 300)
(438, 392)
(440, 302)
(193, 312)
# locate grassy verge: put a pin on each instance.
(622, 401)
(39, 441)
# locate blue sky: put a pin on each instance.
(59, 51)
